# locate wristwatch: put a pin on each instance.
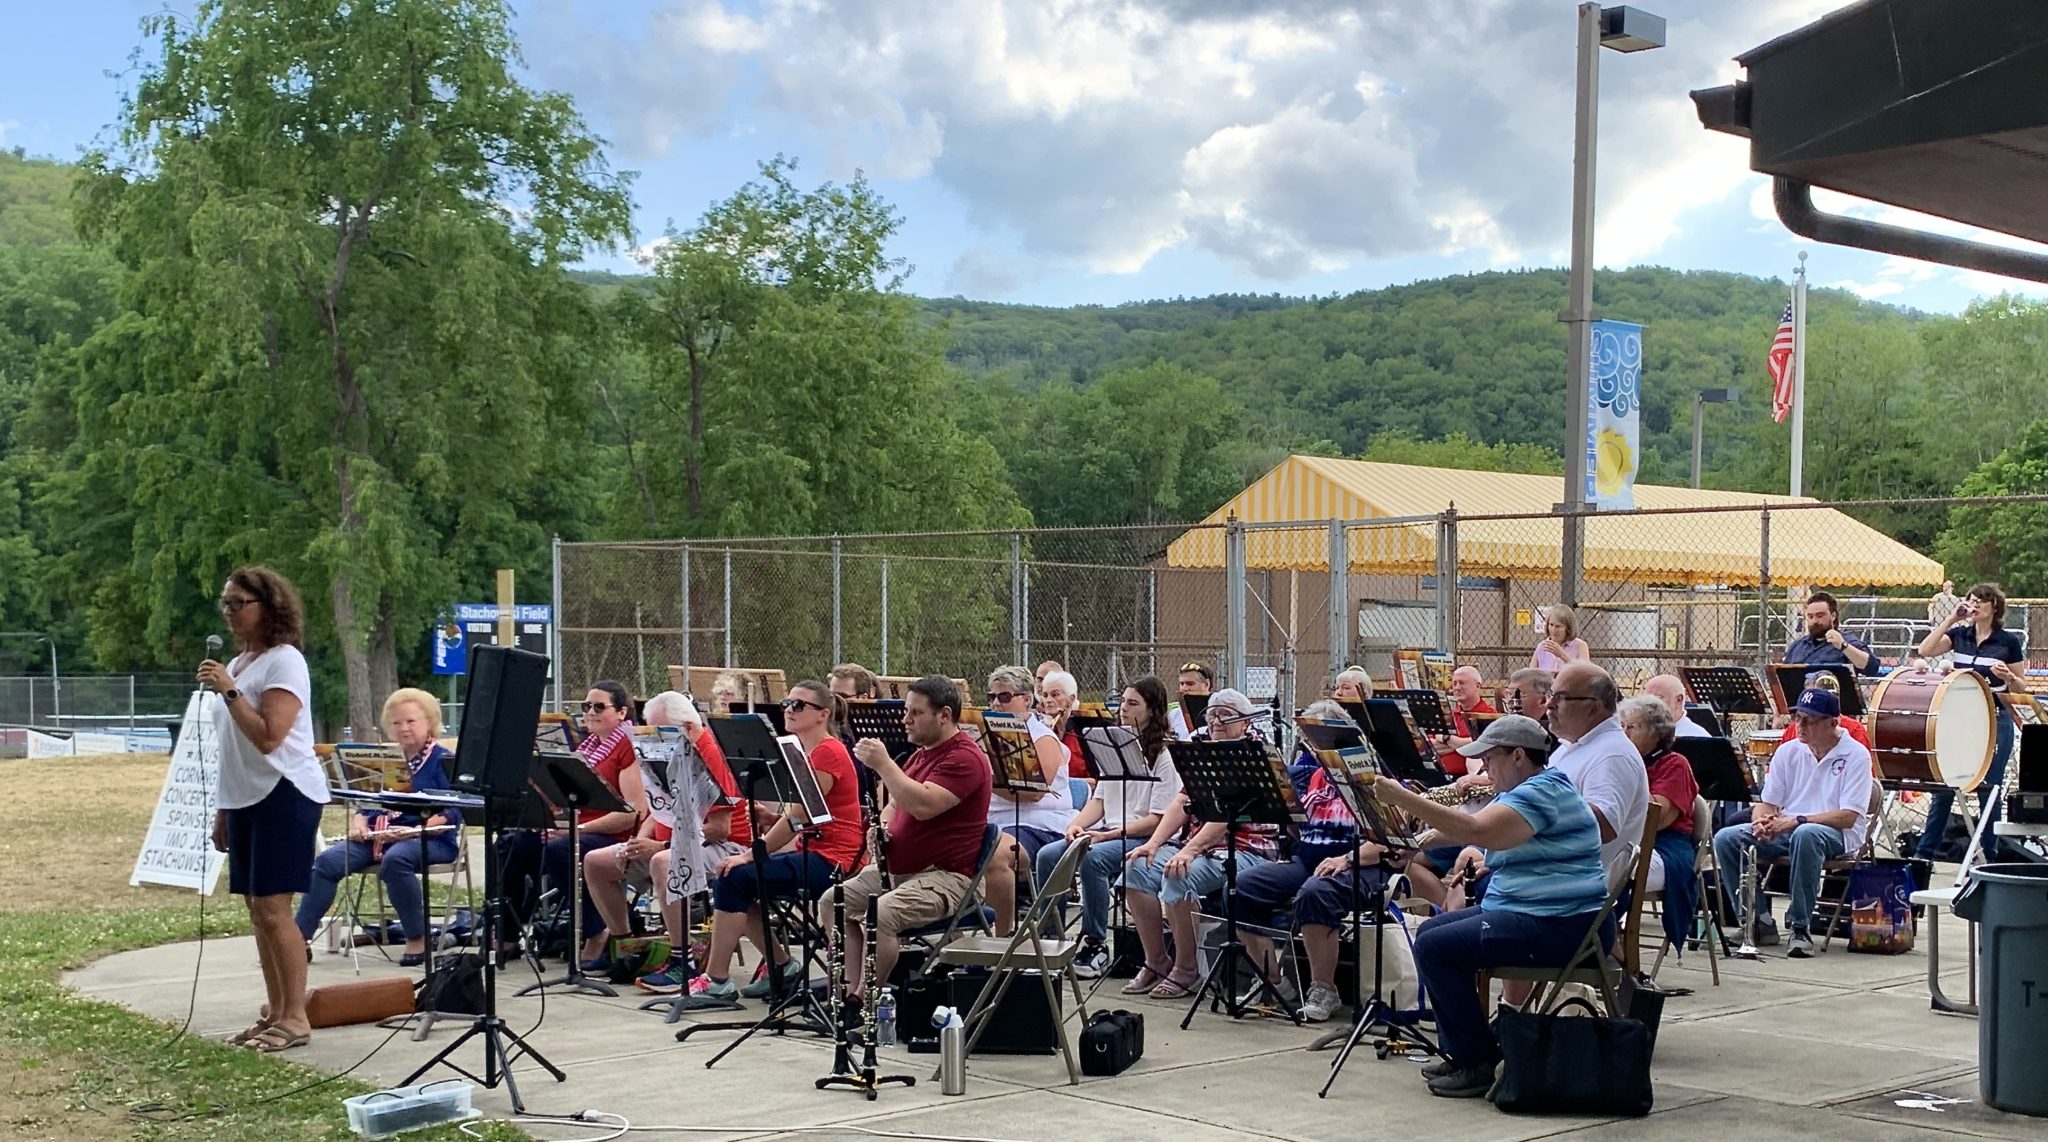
(231, 696)
(1801, 819)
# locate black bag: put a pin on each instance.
(454, 987)
(1111, 1042)
(920, 996)
(1646, 1006)
(1560, 1064)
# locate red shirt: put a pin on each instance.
(1453, 761)
(841, 841)
(1671, 778)
(951, 840)
(1077, 766)
(609, 756)
(742, 827)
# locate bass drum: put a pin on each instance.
(1934, 729)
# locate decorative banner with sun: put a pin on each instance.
(1613, 422)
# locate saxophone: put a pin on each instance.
(1453, 797)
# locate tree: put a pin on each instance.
(1460, 451)
(345, 225)
(2003, 543)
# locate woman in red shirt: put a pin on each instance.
(803, 858)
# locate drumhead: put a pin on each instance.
(1964, 729)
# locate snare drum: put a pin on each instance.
(1933, 729)
(1764, 743)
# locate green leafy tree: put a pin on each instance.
(344, 226)
(2003, 543)
(1458, 450)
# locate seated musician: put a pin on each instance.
(644, 859)
(1530, 688)
(938, 811)
(1467, 698)
(1194, 680)
(1974, 637)
(1646, 719)
(1058, 696)
(1539, 847)
(526, 857)
(802, 859)
(1824, 643)
(852, 680)
(413, 719)
(1814, 807)
(1561, 645)
(1029, 820)
(1119, 817)
(1316, 884)
(1598, 757)
(1165, 878)
(1352, 684)
(1049, 666)
(1670, 690)
(728, 689)
(1825, 680)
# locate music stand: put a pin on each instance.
(1703, 716)
(1012, 762)
(1232, 782)
(1393, 736)
(1716, 767)
(1194, 710)
(1426, 707)
(881, 720)
(769, 710)
(755, 755)
(1791, 677)
(1727, 689)
(1112, 754)
(566, 780)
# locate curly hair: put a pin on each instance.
(284, 618)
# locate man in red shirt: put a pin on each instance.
(940, 813)
(1466, 690)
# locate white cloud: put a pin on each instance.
(7, 125)
(1288, 137)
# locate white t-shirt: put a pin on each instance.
(1609, 774)
(1801, 785)
(247, 775)
(1051, 812)
(1177, 723)
(1127, 801)
(1687, 728)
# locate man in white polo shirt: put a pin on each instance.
(1598, 757)
(1670, 690)
(1814, 807)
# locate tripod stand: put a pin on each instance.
(502, 1045)
(569, 782)
(1373, 1014)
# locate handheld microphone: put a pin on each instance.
(213, 645)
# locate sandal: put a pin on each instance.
(1176, 986)
(1148, 977)
(275, 1038)
(242, 1037)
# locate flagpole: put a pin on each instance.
(1799, 377)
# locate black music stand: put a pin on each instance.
(756, 756)
(1194, 711)
(1427, 708)
(1112, 754)
(769, 710)
(1791, 678)
(1716, 767)
(1393, 737)
(1703, 716)
(1727, 689)
(1233, 782)
(566, 780)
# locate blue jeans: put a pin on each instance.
(1809, 846)
(1452, 948)
(1104, 860)
(1204, 876)
(1938, 809)
(400, 872)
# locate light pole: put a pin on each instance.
(1700, 400)
(1622, 29)
(56, 687)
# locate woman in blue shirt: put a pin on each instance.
(1539, 846)
(1976, 636)
(413, 719)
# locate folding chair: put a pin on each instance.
(972, 912)
(1836, 872)
(1704, 912)
(1007, 957)
(1590, 964)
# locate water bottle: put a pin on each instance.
(348, 733)
(952, 1051)
(885, 1018)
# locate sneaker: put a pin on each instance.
(659, 983)
(792, 977)
(1801, 946)
(1766, 932)
(708, 988)
(1322, 1002)
(1092, 961)
(1442, 1068)
(1464, 1082)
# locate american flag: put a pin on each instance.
(1780, 365)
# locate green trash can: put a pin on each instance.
(2009, 905)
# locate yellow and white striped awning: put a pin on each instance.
(1809, 544)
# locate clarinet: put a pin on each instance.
(836, 968)
(869, 996)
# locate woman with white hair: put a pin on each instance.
(1028, 821)
(672, 708)
(1352, 684)
(1561, 645)
(1647, 721)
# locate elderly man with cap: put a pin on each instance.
(1539, 847)
(1814, 807)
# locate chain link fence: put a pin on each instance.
(1276, 607)
(94, 701)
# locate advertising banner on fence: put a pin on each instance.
(41, 744)
(1614, 415)
(178, 849)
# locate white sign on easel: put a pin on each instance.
(178, 849)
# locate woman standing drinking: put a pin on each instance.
(270, 788)
(1976, 637)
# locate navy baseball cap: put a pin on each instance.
(1818, 703)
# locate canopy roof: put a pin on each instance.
(1702, 546)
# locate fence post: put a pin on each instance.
(1233, 601)
(131, 703)
(728, 606)
(1016, 596)
(885, 614)
(1763, 597)
(555, 628)
(1340, 600)
(1447, 627)
(1024, 610)
(837, 560)
(686, 613)
(1152, 620)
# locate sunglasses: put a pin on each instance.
(791, 705)
(1004, 697)
(1194, 668)
(593, 707)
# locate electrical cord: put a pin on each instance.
(207, 812)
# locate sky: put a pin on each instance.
(1062, 152)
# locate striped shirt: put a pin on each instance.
(2001, 645)
(1556, 872)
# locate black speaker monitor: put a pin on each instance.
(500, 710)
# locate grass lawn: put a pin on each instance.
(77, 1068)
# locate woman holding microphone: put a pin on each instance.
(270, 788)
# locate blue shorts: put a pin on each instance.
(270, 843)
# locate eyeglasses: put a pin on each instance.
(230, 606)
(1003, 697)
(791, 705)
(594, 707)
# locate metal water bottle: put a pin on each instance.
(952, 1051)
(885, 1018)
